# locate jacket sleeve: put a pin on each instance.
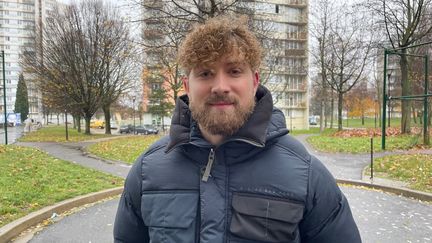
(328, 216)
(129, 226)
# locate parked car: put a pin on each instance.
(313, 120)
(147, 129)
(126, 129)
(97, 124)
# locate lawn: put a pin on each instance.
(370, 123)
(58, 134)
(31, 179)
(355, 145)
(312, 130)
(126, 149)
(415, 169)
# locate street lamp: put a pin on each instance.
(133, 113)
(4, 96)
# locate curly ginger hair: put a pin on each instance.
(217, 37)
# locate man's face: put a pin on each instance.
(222, 95)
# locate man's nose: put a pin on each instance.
(221, 84)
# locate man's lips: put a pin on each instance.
(221, 104)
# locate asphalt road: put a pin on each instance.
(381, 218)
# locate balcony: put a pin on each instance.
(297, 35)
(292, 3)
(153, 34)
(295, 53)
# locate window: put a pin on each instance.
(277, 8)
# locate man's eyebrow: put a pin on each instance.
(234, 63)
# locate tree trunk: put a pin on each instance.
(87, 124)
(363, 119)
(78, 118)
(331, 111)
(414, 114)
(322, 115)
(325, 116)
(340, 104)
(107, 114)
(406, 90)
(58, 119)
(74, 122)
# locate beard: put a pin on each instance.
(221, 122)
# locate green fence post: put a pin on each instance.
(384, 103)
(426, 139)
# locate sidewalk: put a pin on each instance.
(381, 217)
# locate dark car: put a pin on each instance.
(126, 128)
(147, 129)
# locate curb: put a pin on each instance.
(423, 196)
(16, 227)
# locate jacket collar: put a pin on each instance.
(256, 130)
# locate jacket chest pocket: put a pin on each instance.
(263, 219)
(170, 216)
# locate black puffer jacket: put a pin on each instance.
(263, 186)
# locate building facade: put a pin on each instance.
(282, 26)
(285, 68)
(18, 21)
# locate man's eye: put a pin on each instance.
(235, 71)
(205, 74)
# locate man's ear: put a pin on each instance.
(186, 84)
(256, 80)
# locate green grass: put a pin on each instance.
(415, 169)
(312, 130)
(58, 134)
(31, 179)
(126, 149)
(355, 145)
(370, 123)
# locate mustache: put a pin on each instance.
(216, 98)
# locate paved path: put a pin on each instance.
(381, 217)
(13, 133)
(72, 152)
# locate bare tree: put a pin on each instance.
(167, 22)
(349, 47)
(84, 58)
(321, 22)
(405, 23)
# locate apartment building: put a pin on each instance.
(18, 19)
(285, 68)
(283, 24)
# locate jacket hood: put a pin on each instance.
(265, 123)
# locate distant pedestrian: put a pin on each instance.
(228, 171)
(28, 125)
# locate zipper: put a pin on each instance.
(209, 165)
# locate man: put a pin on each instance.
(229, 172)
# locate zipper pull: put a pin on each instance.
(210, 161)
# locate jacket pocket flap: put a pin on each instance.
(263, 207)
(172, 210)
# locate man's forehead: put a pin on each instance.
(231, 61)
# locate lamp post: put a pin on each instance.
(4, 96)
(133, 112)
